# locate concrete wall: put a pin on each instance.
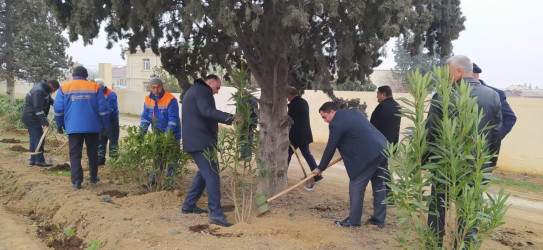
(104, 72)
(521, 150)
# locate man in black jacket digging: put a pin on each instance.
(300, 135)
(37, 104)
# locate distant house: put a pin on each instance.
(118, 77)
(139, 69)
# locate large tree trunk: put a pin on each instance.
(274, 124)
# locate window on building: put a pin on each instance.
(146, 65)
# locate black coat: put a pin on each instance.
(37, 104)
(300, 131)
(200, 118)
(386, 118)
(508, 116)
(359, 142)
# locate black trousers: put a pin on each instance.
(75, 141)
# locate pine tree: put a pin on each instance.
(309, 44)
(31, 44)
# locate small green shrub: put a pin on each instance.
(95, 244)
(144, 155)
(11, 113)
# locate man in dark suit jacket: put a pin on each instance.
(386, 118)
(300, 135)
(200, 120)
(360, 145)
(508, 116)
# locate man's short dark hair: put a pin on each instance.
(53, 83)
(214, 77)
(385, 89)
(291, 91)
(328, 106)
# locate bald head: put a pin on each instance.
(460, 66)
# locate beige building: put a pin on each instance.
(139, 69)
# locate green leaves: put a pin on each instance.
(154, 158)
(451, 156)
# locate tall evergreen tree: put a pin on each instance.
(31, 44)
(406, 62)
(303, 43)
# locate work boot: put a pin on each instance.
(94, 180)
(76, 185)
(221, 221)
(43, 164)
(374, 221)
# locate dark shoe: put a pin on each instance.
(341, 221)
(195, 210)
(76, 185)
(94, 180)
(221, 221)
(32, 163)
(345, 223)
(101, 163)
(317, 178)
(43, 164)
(374, 221)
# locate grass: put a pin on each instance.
(60, 173)
(525, 185)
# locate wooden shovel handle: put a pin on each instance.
(298, 157)
(43, 136)
(301, 182)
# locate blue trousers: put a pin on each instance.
(307, 156)
(35, 132)
(357, 188)
(207, 178)
(112, 135)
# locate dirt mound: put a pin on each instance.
(10, 140)
(114, 193)
(60, 167)
(18, 148)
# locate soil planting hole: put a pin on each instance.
(60, 167)
(10, 140)
(18, 148)
(199, 228)
(113, 193)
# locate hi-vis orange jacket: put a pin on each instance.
(164, 110)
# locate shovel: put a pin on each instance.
(263, 204)
(41, 140)
(310, 182)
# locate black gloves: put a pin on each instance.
(60, 130)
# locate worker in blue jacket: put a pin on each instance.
(161, 110)
(112, 133)
(81, 109)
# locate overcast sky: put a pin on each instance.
(504, 38)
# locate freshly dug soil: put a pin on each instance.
(10, 140)
(113, 193)
(18, 148)
(60, 167)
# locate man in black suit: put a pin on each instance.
(508, 116)
(360, 145)
(386, 118)
(200, 127)
(300, 132)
